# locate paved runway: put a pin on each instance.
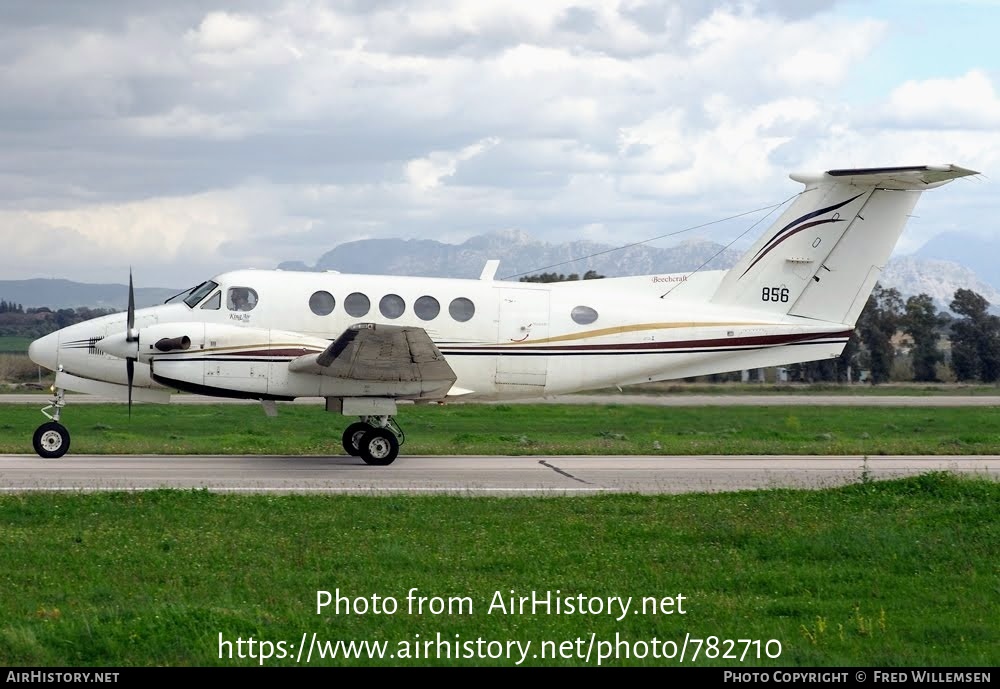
(466, 475)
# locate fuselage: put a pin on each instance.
(502, 339)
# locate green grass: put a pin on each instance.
(14, 345)
(523, 429)
(899, 573)
(857, 389)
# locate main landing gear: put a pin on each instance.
(51, 439)
(376, 439)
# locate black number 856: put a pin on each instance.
(774, 294)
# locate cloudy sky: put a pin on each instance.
(185, 138)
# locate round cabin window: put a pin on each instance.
(584, 315)
(461, 309)
(357, 304)
(322, 303)
(426, 308)
(392, 306)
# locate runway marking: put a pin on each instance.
(560, 471)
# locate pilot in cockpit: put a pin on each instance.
(241, 299)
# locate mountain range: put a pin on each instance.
(518, 253)
(66, 294)
(974, 251)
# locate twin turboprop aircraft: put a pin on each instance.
(366, 343)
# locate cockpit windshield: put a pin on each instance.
(186, 292)
(196, 294)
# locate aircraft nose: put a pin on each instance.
(45, 351)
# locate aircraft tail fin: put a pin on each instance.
(822, 257)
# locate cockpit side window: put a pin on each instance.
(241, 299)
(199, 293)
(213, 303)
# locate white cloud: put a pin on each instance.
(771, 54)
(966, 102)
(185, 122)
(208, 138)
(225, 31)
(151, 234)
(427, 173)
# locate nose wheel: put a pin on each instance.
(51, 439)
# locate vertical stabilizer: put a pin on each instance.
(822, 257)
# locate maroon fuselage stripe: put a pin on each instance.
(759, 340)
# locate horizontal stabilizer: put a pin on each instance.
(916, 177)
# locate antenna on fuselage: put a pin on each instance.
(741, 235)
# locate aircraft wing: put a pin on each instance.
(400, 359)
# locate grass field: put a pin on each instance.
(861, 389)
(899, 573)
(523, 429)
(14, 345)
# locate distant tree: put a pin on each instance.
(975, 338)
(559, 277)
(829, 370)
(849, 361)
(36, 322)
(821, 371)
(922, 322)
(65, 317)
(877, 324)
(544, 277)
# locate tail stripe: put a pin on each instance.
(807, 216)
(792, 233)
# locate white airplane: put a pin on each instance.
(368, 342)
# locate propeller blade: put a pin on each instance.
(130, 370)
(131, 306)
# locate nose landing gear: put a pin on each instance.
(51, 439)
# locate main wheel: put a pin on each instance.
(51, 440)
(379, 447)
(352, 437)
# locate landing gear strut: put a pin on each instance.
(51, 439)
(376, 439)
